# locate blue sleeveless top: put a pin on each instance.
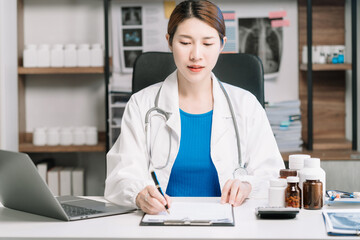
(193, 173)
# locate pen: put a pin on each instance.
(159, 188)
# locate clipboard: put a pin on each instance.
(192, 214)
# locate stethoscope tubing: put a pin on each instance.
(166, 116)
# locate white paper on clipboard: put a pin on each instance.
(193, 213)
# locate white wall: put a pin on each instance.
(8, 76)
(64, 100)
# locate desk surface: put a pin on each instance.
(308, 224)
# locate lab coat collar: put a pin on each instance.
(169, 96)
(169, 101)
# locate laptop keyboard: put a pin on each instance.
(73, 211)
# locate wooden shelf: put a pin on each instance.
(329, 149)
(326, 155)
(27, 146)
(31, 148)
(332, 144)
(327, 67)
(63, 70)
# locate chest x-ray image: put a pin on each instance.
(256, 36)
(131, 16)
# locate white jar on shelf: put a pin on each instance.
(97, 56)
(30, 56)
(53, 136)
(70, 55)
(39, 136)
(83, 55)
(43, 55)
(91, 136)
(66, 136)
(57, 56)
(79, 137)
(304, 55)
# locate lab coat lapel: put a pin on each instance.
(221, 114)
(169, 101)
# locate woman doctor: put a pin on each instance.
(194, 151)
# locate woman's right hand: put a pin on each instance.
(151, 201)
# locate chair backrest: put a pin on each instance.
(238, 69)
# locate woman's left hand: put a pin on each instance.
(235, 192)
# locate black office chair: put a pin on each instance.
(239, 69)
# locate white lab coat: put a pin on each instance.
(128, 161)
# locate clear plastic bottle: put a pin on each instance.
(293, 193)
(313, 193)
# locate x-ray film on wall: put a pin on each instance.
(256, 36)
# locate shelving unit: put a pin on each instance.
(25, 138)
(328, 103)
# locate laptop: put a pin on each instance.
(22, 188)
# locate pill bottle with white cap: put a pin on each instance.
(293, 193)
(296, 161)
(277, 192)
(312, 167)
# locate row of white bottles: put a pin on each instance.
(65, 136)
(59, 56)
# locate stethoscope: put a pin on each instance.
(239, 171)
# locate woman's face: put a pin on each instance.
(196, 47)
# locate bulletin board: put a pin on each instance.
(264, 28)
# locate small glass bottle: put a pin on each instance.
(293, 193)
(313, 193)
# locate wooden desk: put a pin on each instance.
(307, 225)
